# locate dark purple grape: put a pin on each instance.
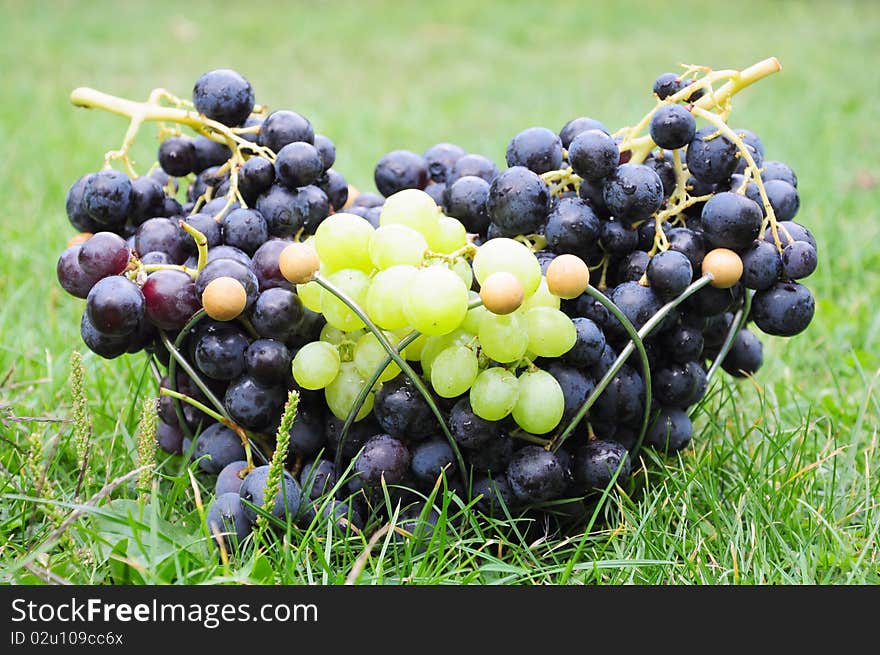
(633, 266)
(437, 191)
(600, 462)
(255, 177)
(265, 264)
(535, 148)
(326, 149)
(689, 243)
(205, 224)
(276, 314)
(576, 387)
(430, 459)
(225, 96)
(623, 400)
(633, 192)
(115, 305)
(161, 235)
(468, 429)
(368, 200)
(283, 127)
(298, 164)
(588, 346)
(785, 309)
(711, 157)
(402, 411)
(383, 457)
(169, 437)
(73, 279)
(288, 211)
(245, 229)
(220, 356)
(170, 299)
(493, 456)
(536, 475)
(518, 201)
(399, 170)
(106, 345)
(671, 430)
(288, 497)
(307, 436)
(662, 163)
(682, 344)
(268, 361)
(776, 170)
(441, 158)
(593, 154)
(669, 273)
(745, 356)
(252, 404)
(217, 447)
(358, 434)
(753, 145)
(572, 227)
(799, 260)
(227, 517)
(210, 154)
(637, 303)
(672, 127)
(476, 165)
(762, 265)
(107, 197)
(335, 187)
(496, 495)
(147, 199)
(103, 254)
(177, 156)
(230, 252)
(730, 220)
(317, 478)
(576, 126)
(667, 84)
(229, 479)
(77, 213)
(467, 200)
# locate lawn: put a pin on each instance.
(779, 485)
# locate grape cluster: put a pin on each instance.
(467, 320)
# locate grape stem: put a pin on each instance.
(201, 245)
(400, 361)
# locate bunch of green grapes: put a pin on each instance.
(413, 275)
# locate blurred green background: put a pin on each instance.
(375, 76)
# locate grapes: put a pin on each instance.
(730, 220)
(276, 314)
(391, 245)
(343, 390)
(383, 458)
(504, 338)
(252, 404)
(537, 149)
(785, 309)
(436, 301)
(229, 478)
(494, 394)
(798, 260)
(342, 241)
(107, 197)
(298, 164)
(467, 200)
(268, 361)
(711, 157)
(593, 154)
(316, 365)
(745, 356)
(540, 404)
(283, 127)
(577, 125)
(432, 458)
(226, 516)
(453, 371)
(600, 462)
(385, 297)
(633, 192)
(535, 475)
(355, 284)
(255, 177)
(220, 355)
(441, 158)
(669, 273)
(572, 227)
(551, 333)
(103, 254)
(245, 229)
(115, 306)
(287, 500)
(369, 354)
(71, 276)
(217, 447)
(510, 256)
(762, 265)
(673, 127)
(225, 96)
(518, 201)
(402, 411)
(160, 235)
(468, 429)
(399, 170)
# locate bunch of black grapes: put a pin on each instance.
(607, 219)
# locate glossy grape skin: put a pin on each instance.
(576, 387)
(572, 227)
(368, 200)
(210, 154)
(335, 187)
(492, 456)
(710, 157)
(106, 345)
(147, 199)
(177, 156)
(496, 495)
(776, 170)
(662, 163)
(115, 305)
(682, 344)
(402, 411)
(220, 356)
(252, 404)
(169, 437)
(633, 192)
(667, 84)
(745, 356)
(170, 299)
(753, 145)
(535, 148)
(317, 478)
(216, 447)
(256, 175)
(536, 475)
(430, 459)
(76, 211)
(161, 235)
(245, 229)
(288, 496)
(672, 127)
(617, 238)
(783, 198)
(623, 399)
(518, 201)
(103, 254)
(226, 516)
(441, 158)
(670, 431)
(673, 385)
(796, 231)
(597, 463)
(762, 265)
(593, 155)
(785, 309)
(633, 266)
(688, 242)
(472, 164)
(589, 345)
(637, 303)
(276, 313)
(72, 278)
(307, 434)
(468, 429)
(282, 127)
(467, 200)
(799, 260)
(205, 224)
(669, 273)
(730, 220)
(298, 164)
(225, 96)
(286, 211)
(577, 125)
(107, 197)
(399, 170)
(229, 252)
(383, 457)
(229, 268)
(229, 480)
(268, 361)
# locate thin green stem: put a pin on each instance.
(400, 361)
(201, 244)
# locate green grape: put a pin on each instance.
(436, 301)
(413, 352)
(433, 346)
(551, 332)
(450, 236)
(316, 365)
(391, 245)
(385, 299)
(473, 317)
(342, 241)
(542, 298)
(494, 394)
(342, 392)
(331, 334)
(310, 294)
(540, 403)
(413, 208)
(355, 284)
(369, 354)
(511, 256)
(462, 268)
(504, 338)
(453, 371)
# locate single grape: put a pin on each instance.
(432, 458)
(288, 495)
(282, 127)
(316, 365)
(504, 338)
(672, 127)
(369, 354)
(593, 154)
(633, 192)
(147, 199)
(518, 201)
(252, 404)
(572, 227)
(577, 125)
(453, 371)
(226, 517)
(103, 254)
(494, 394)
(355, 284)
(268, 361)
(342, 242)
(762, 265)
(344, 389)
(504, 254)
(441, 158)
(335, 187)
(386, 296)
(220, 356)
(745, 356)
(472, 164)
(536, 475)
(402, 411)
(540, 404)
(799, 260)
(669, 273)
(393, 245)
(589, 343)
(115, 306)
(177, 156)
(711, 157)
(412, 208)
(73, 279)
(298, 164)
(730, 220)
(225, 96)
(436, 301)
(551, 332)
(600, 462)
(399, 170)
(535, 148)
(229, 479)
(468, 429)
(217, 447)
(254, 178)
(449, 236)
(107, 197)
(785, 309)
(467, 201)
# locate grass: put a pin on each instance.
(780, 485)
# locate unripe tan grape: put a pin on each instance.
(502, 293)
(224, 298)
(725, 267)
(299, 262)
(353, 193)
(568, 276)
